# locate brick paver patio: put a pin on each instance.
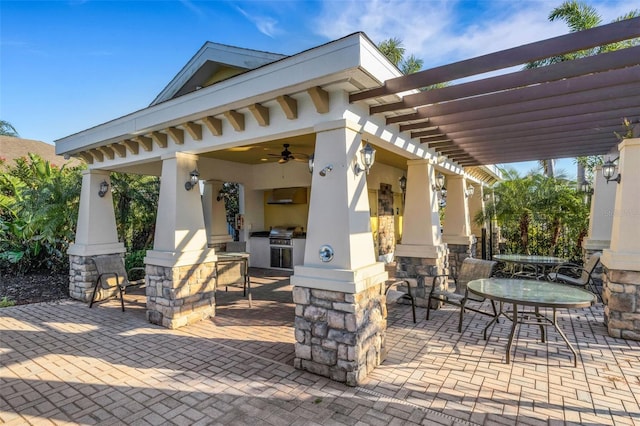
(68, 364)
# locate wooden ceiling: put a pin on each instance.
(567, 109)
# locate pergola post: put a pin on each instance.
(601, 214)
(476, 205)
(96, 233)
(457, 224)
(181, 268)
(422, 251)
(621, 281)
(339, 291)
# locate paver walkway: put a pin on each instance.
(68, 364)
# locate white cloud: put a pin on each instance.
(440, 31)
(192, 7)
(265, 24)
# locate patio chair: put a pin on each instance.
(112, 274)
(574, 274)
(442, 291)
(393, 295)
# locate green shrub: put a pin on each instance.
(5, 302)
(38, 213)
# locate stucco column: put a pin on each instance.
(96, 229)
(621, 292)
(457, 224)
(96, 234)
(180, 268)
(215, 215)
(601, 215)
(422, 251)
(421, 231)
(340, 309)
(476, 205)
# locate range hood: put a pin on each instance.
(297, 195)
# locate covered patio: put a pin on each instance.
(65, 363)
(231, 110)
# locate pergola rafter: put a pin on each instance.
(567, 109)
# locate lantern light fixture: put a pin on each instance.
(104, 188)
(468, 193)
(403, 183)
(608, 169)
(194, 177)
(439, 183)
(368, 157)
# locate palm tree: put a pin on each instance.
(580, 16)
(393, 50)
(6, 129)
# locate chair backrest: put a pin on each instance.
(589, 267)
(236, 246)
(111, 264)
(473, 269)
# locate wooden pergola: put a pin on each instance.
(567, 109)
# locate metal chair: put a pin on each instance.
(471, 269)
(574, 274)
(112, 274)
(395, 295)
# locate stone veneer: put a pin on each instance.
(459, 252)
(82, 278)
(340, 335)
(621, 295)
(412, 267)
(181, 295)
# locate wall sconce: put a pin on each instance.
(368, 157)
(585, 187)
(311, 157)
(194, 176)
(608, 169)
(439, 183)
(104, 188)
(326, 170)
(469, 191)
(220, 195)
(586, 190)
(403, 183)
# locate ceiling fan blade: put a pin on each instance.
(283, 160)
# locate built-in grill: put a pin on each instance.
(281, 245)
(281, 235)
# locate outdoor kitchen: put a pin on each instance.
(281, 244)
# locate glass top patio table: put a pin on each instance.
(529, 259)
(540, 263)
(538, 294)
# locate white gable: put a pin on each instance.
(211, 58)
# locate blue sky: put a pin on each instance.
(69, 65)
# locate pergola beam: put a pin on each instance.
(556, 46)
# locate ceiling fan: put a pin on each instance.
(287, 155)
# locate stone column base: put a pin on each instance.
(180, 295)
(340, 335)
(82, 279)
(621, 295)
(411, 267)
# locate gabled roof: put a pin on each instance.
(212, 63)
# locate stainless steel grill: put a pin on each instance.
(281, 246)
(281, 235)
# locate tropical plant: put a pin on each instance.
(38, 211)
(6, 129)
(394, 51)
(541, 208)
(135, 201)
